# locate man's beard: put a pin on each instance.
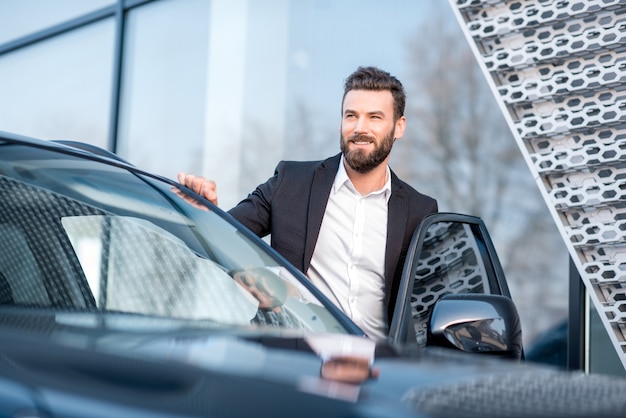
(360, 160)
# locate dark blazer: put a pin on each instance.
(291, 204)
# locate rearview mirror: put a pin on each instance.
(476, 323)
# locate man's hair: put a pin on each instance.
(372, 78)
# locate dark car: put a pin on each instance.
(124, 294)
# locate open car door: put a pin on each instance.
(451, 256)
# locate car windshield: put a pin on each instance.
(80, 236)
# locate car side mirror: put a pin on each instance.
(476, 323)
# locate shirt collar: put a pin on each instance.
(342, 179)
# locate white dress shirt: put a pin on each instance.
(348, 263)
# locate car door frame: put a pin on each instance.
(402, 321)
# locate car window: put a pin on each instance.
(18, 261)
(76, 235)
(450, 253)
(133, 266)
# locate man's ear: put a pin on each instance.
(400, 127)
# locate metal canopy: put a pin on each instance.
(558, 71)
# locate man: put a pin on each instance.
(347, 221)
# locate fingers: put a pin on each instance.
(203, 186)
(188, 199)
(209, 191)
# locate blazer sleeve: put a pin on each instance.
(255, 210)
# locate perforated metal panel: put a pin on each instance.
(558, 71)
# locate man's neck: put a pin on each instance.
(366, 183)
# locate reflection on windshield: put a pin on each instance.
(266, 287)
(133, 266)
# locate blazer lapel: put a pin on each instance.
(320, 190)
(397, 216)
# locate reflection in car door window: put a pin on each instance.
(450, 262)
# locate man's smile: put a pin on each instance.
(361, 140)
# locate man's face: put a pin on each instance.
(368, 130)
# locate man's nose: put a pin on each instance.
(360, 127)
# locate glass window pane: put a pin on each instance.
(252, 80)
(603, 358)
(23, 17)
(60, 88)
(163, 88)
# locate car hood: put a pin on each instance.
(434, 382)
(174, 370)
